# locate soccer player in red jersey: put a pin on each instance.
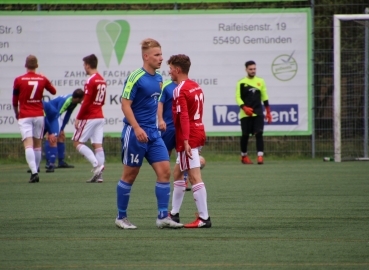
(28, 92)
(90, 119)
(187, 109)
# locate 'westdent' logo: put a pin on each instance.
(282, 114)
(112, 36)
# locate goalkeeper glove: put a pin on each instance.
(268, 116)
(248, 110)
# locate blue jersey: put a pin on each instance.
(57, 106)
(143, 89)
(166, 98)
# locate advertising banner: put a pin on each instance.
(218, 43)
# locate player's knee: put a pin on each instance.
(130, 173)
(166, 174)
(245, 135)
(75, 144)
(259, 134)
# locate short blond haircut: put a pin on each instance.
(31, 62)
(149, 43)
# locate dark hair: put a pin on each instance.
(249, 63)
(31, 62)
(182, 61)
(78, 93)
(91, 60)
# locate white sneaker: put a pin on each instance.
(97, 171)
(124, 224)
(94, 179)
(100, 178)
(167, 223)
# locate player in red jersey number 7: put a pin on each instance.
(28, 92)
(187, 109)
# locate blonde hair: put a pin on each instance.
(149, 43)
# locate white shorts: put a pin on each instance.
(91, 129)
(31, 127)
(185, 163)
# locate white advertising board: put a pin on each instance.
(218, 43)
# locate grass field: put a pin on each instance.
(281, 215)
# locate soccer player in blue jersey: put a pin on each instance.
(165, 120)
(141, 138)
(165, 117)
(54, 126)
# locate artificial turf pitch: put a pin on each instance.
(304, 214)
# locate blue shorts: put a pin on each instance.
(169, 138)
(53, 122)
(133, 151)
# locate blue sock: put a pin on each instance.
(61, 151)
(162, 192)
(53, 152)
(185, 175)
(123, 194)
(47, 152)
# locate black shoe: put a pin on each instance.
(64, 165)
(50, 169)
(175, 217)
(29, 170)
(34, 178)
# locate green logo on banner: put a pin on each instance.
(284, 67)
(112, 36)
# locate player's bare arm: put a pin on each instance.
(161, 122)
(128, 113)
(76, 123)
(187, 148)
(62, 135)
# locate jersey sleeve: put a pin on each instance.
(163, 95)
(165, 92)
(131, 85)
(263, 91)
(238, 94)
(66, 119)
(182, 109)
(64, 104)
(129, 91)
(16, 92)
(87, 100)
(49, 87)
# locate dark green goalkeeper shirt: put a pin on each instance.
(251, 92)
